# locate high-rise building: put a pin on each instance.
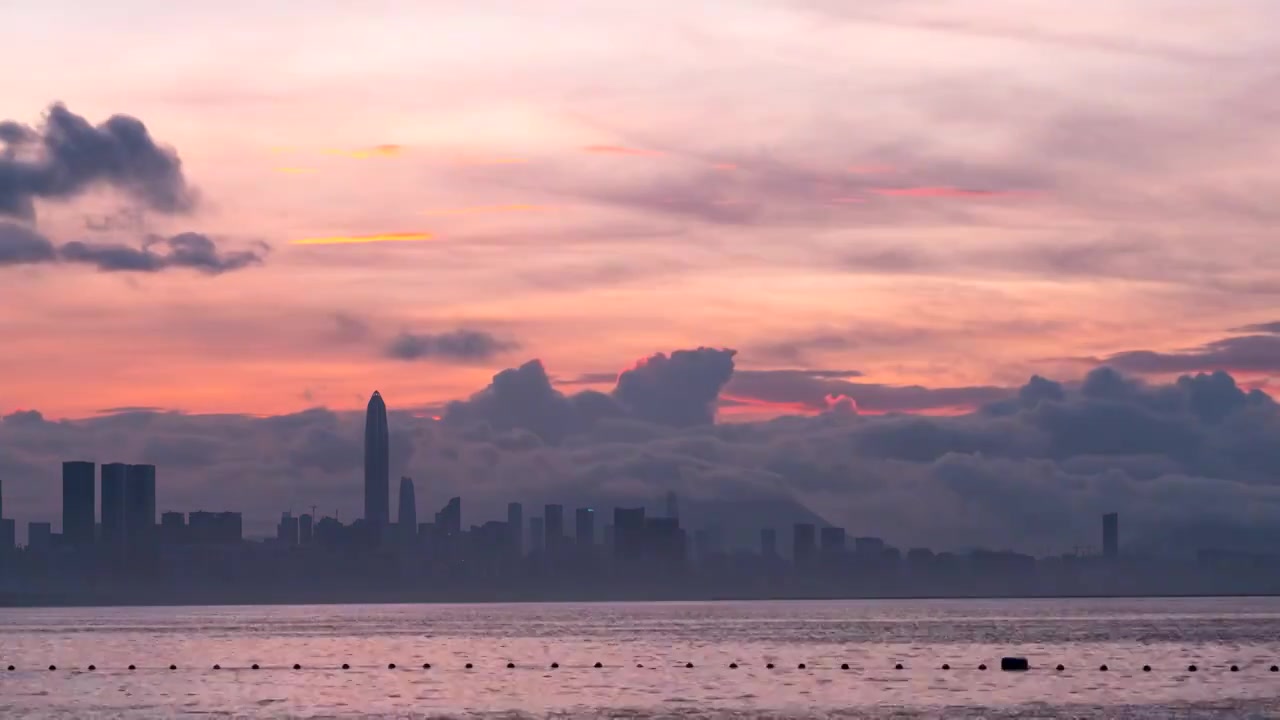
(78, 503)
(584, 527)
(832, 540)
(209, 528)
(515, 528)
(140, 505)
(804, 545)
(769, 542)
(628, 533)
(113, 493)
(673, 504)
(407, 512)
(39, 536)
(537, 536)
(173, 528)
(553, 517)
(305, 528)
(287, 530)
(1111, 535)
(8, 534)
(377, 468)
(449, 519)
(868, 548)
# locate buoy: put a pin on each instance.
(11, 668)
(946, 666)
(1191, 668)
(1146, 668)
(801, 666)
(733, 666)
(255, 667)
(1014, 664)
(92, 668)
(426, 666)
(844, 666)
(639, 665)
(598, 665)
(392, 666)
(769, 666)
(1235, 669)
(217, 667)
(468, 666)
(131, 667)
(344, 667)
(1060, 667)
(898, 666)
(688, 666)
(1102, 668)
(983, 666)
(296, 666)
(1274, 668)
(53, 667)
(555, 665)
(511, 666)
(173, 667)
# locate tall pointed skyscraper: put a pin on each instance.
(377, 471)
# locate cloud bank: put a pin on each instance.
(20, 245)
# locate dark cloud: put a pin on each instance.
(678, 390)
(816, 391)
(67, 156)
(1246, 353)
(20, 245)
(130, 409)
(522, 398)
(1270, 328)
(461, 345)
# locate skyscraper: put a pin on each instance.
(553, 517)
(407, 512)
(377, 468)
(305, 528)
(584, 527)
(113, 492)
(1111, 535)
(515, 528)
(77, 502)
(139, 505)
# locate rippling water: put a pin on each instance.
(870, 636)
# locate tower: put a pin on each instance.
(139, 505)
(77, 502)
(377, 473)
(112, 499)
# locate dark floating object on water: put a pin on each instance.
(983, 666)
(898, 666)
(733, 666)
(1102, 668)
(945, 666)
(296, 666)
(92, 668)
(844, 666)
(1014, 664)
(555, 665)
(511, 666)
(344, 667)
(11, 668)
(1274, 668)
(255, 667)
(1191, 668)
(468, 666)
(598, 665)
(1235, 669)
(217, 667)
(173, 667)
(426, 666)
(639, 665)
(688, 666)
(1061, 667)
(53, 667)
(801, 666)
(392, 666)
(1146, 668)
(769, 666)
(133, 667)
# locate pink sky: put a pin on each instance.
(959, 193)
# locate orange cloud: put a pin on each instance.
(489, 209)
(363, 239)
(620, 150)
(376, 151)
(941, 191)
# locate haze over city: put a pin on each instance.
(976, 294)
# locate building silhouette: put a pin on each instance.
(832, 540)
(140, 506)
(407, 512)
(584, 527)
(112, 500)
(78, 522)
(287, 530)
(553, 525)
(628, 534)
(537, 536)
(804, 544)
(377, 470)
(8, 534)
(1111, 535)
(39, 536)
(515, 528)
(306, 528)
(449, 519)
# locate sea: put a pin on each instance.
(843, 659)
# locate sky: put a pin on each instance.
(890, 206)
